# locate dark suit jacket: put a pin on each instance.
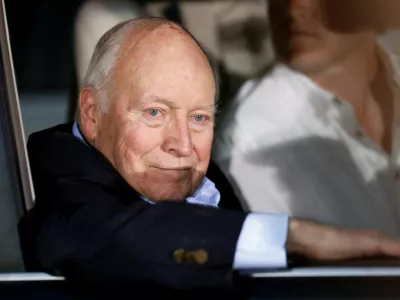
(91, 226)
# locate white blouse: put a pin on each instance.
(290, 147)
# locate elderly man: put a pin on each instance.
(318, 137)
(122, 195)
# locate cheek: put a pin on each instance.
(135, 142)
(106, 138)
(202, 143)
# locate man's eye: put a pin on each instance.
(153, 112)
(199, 118)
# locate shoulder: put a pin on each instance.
(53, 149)
(276, 99)
(45, 138)
(266, 107)
(269, 97)
(56, 153)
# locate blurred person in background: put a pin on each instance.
(318, 136)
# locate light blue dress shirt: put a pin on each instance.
(261, 243)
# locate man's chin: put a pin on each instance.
(170, 197)
(171, 192)
(158, 186)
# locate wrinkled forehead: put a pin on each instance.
(166, 60)
(164, 43)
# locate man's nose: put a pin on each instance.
(178, 141)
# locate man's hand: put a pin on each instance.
(322, 242)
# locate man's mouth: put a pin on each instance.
(165, 168)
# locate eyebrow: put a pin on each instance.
(211, 108)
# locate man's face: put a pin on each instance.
(307, 33)
(159, 127)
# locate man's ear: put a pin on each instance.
(88, 113)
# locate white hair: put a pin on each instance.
(103, 61)
(105, 56)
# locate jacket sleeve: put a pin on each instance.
(86, 233)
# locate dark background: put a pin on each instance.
(41, 36)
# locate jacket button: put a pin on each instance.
(200, 256)
(178, 255)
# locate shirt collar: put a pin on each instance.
(207, 194)
(77, 133)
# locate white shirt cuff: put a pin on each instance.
(262, 241)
